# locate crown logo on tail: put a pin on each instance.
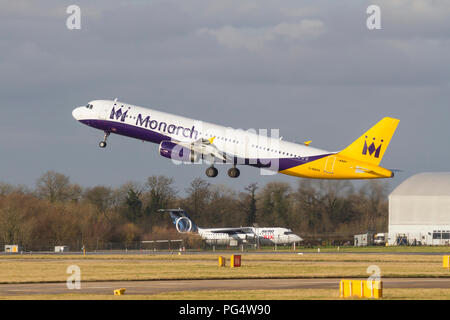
(372, 149)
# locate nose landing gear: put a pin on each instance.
(103, 143)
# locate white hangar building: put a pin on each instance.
(419, 210)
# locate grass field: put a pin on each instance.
(289, 294)
(52, 268)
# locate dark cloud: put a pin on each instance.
(310, 68)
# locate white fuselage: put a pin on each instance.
(156, 126)
(263, 236)
(186, 140)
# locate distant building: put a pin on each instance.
(363, 240)
(419, 210)
(12, 248)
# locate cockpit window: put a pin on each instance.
(288, 232)
(89, 106)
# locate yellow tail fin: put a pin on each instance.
(370, 147)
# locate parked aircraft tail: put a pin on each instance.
(181, 220)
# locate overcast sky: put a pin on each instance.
(310, 68)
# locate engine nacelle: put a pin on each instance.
(177, 152)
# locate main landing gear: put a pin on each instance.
(103, 143)
(233, 172)
(213, 172)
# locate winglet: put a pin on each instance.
(307, 143)
(211, 140)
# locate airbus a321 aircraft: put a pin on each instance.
(188, 140)
(265, 236)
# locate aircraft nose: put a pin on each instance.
(77, 113)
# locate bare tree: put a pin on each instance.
(198, 196)
(101, 197)
(275, 203)
(54, 187)
(250, 203)
(161, 193)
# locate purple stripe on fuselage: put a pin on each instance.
(131, 131)
(286, 163)
(128, 130)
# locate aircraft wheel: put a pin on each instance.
(212, 172)
(234, 172)
(103, 143)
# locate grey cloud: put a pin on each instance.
(254, 39)
(310, 68)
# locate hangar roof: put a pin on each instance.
(425, 184)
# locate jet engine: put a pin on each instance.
(178, 152)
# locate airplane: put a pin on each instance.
(264, 236)
(186, 140)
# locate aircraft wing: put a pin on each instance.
(246, 230)
(206, 148)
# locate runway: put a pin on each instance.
(156, 287)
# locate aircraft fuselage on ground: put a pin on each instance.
(222, 236)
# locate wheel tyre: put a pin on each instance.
(212, 172)
(233, 172)
(102, 144)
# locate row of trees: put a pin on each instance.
(58, 212)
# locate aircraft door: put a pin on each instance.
(329, 165)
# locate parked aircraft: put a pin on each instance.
(264, 236)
